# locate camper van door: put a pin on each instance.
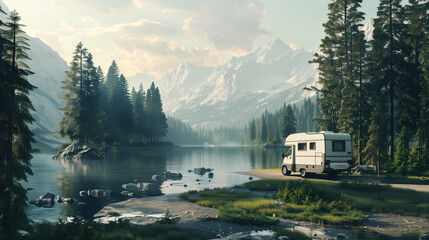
(293, 159)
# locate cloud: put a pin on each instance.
(142, 27)
(62, 43)
(89, 20)
(156, 56)
(230, 25)
(102, 7)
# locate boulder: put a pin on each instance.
(83, 193)
(68, 201)
(125, 193)
(364, 169)
(172, 176)
(130, 186)
(47, 195)
(144, 186)
(156, 178)
(201, 171)
(59, 199)
(78, 152)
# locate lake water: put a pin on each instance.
(68, 178)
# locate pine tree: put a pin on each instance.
(402, 153)
(15, 136)
(289, 122)
(385, 58)
(92, 112)
(420, 149)
(376, 148)
(120, 121)
(264, 128)
(70, 124)
(82, 112)
(252, 131)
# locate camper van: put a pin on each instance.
(317, 152)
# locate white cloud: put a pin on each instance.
(156, 56)
(62, 43)
(230, 25)
(102, 7)
(142, 27)
(89, 20)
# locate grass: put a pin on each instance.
(318, 201)
(242, 207)
(368, 197)
(111, 231)
(234, 206)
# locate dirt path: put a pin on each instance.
(278, 174)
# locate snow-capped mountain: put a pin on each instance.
(240, 89)
(49, 70)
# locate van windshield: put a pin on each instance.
(289, 152)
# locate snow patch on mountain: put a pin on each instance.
(240, 89)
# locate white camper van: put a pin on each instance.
(317, 152)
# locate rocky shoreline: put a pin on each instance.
(78, 152)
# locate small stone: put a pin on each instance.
(185, 185)
(250, 178)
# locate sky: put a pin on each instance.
(153, 37)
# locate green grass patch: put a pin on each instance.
(367, 197)
(111, 231)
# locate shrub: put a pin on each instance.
(243, 215)
(304, 193)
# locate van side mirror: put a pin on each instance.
(283, 155)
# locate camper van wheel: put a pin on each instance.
(303, 173)
(285, 171)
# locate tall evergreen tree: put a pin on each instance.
(402, 153)
(264, 128)
(69, 126)
(82, 112)
(252, 131)
(119, 114)
(15, 136)
(386, 59)
(289, 122)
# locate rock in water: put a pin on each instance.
(202, 171)
(78, 152)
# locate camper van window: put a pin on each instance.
(312, 146)
(302, 146)
(338, 146)
(289, 152)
